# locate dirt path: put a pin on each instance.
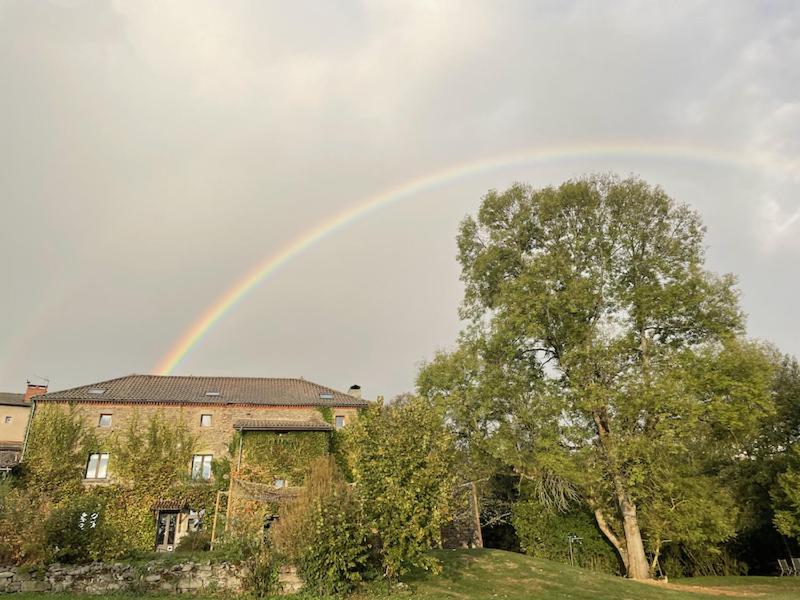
(710, 591)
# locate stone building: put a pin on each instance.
(214, 409)
(15, 412)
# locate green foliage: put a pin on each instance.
(267, 456)
(194, 541)
(150, 461)
(603, 358)
(322, 532)
(403, 461)
(262, 578)
(58, 445)
(543, 533)
(78, 530)
(22, 513)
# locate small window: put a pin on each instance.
(205, 420)
(97, 466)
(96, 391)
(8, 419)
(326, 396)
(280, 484)
(339, 421)
(212, 393)
(105, 421)
(201, 466)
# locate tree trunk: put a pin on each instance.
(631, 551)
(637, 560)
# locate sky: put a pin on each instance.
(152, 154)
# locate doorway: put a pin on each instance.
(166, 525)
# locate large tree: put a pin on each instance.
(602, 360)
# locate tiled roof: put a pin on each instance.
(281, 425)
(145, 389)
(9, 399)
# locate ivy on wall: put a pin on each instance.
(267, 456)
(149, 461)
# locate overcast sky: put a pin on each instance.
(152, 153)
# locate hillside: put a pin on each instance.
(498, 574)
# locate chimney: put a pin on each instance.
(355, 390)
(34, 390)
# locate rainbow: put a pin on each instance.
(258, 274)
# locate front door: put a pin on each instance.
(166, 525)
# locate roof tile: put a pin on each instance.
(146, 389)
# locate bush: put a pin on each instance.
(195, 541)
(22, 516)
(543, 533)
(322, 532)
(77, 531)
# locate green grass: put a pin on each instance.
(494, 574)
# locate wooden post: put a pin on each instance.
(476, 514)
(230, 484)
(214, 526)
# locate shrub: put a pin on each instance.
(322, 532)
(403, 466)
(195, 541)
(22, 516)
(543, 533)
(77, 531)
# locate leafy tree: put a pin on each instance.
(402, 465)
(601, 357)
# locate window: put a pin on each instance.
(8, 419)
(96, 391)
(97, 466)
(201, 466)
(105, 421)
(205, 420)
(325, 396)
(339, 421)
(280, 483)
(212, 393)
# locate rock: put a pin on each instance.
(6, 574)
(35, 586)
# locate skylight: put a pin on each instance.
(96, 391)
(326, 396)
(212, 393)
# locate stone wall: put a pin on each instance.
(213, 439)
(102, 578)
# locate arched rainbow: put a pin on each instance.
(272, 263)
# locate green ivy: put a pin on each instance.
(267, 456)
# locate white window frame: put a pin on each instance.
(279, 484)
(100, 420)
(210, 420)
(201, 466)
(97, 466)
(336, 423)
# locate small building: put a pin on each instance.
(15, 410)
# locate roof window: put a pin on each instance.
(326, 396)
(212, 393)
(96, 391)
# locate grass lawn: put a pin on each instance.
(494, 574)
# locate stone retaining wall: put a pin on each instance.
(102, 578)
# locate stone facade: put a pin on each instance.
(102, 578)
(213, 439)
